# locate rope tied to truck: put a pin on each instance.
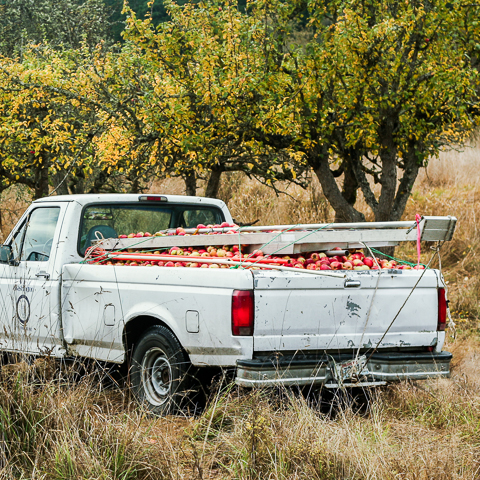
(436, 249)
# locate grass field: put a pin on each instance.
(60, 428)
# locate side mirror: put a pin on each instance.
(6, 254)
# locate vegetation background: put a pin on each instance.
(56, 426)
(55, 123)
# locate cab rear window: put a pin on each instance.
(112, 220)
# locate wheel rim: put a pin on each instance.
(156, 376)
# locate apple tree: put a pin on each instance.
(60, 23)
(375, 90)
(368, 91)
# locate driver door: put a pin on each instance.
(35, 326)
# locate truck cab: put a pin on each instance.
(56, 231)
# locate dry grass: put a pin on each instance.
(63, 428)
(58, 428)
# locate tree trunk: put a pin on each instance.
(349, 190)
(190, 184)
(412, 168)
(77, 183)
(41, 178)
(213, 184)
(60, 183)
(388, 181)
(99, 182)
(343, 209)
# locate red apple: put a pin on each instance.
(169, 264)
(336, 265)
(324, 266)
(139, 234)
(368, 261)
(123, 236)
(347, 266)
(357, 262)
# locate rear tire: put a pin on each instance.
(159, 371)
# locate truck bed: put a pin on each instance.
(293, 311)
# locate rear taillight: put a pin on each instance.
(442, 310)
(242, 312)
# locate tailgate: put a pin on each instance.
(306, 312)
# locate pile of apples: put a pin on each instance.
(180, 231)
(257, 260)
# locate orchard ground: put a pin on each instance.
(424, 430)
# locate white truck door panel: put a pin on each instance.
(31, 322)
(8, 304)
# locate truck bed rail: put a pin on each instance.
(291, 239)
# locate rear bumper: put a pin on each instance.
(319, 370)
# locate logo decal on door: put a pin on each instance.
(23, 309)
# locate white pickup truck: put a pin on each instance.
(275, 327)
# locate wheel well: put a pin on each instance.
(135, 328)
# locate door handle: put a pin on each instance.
(45, 275)
(352, 283)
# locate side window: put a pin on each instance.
(35, 239)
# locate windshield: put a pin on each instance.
(112, 220)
